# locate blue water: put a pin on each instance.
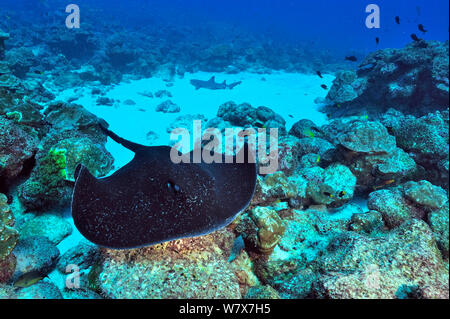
(327, 24)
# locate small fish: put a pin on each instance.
(319, 74)
(339, 105)
(328, 194)
(377, 40)
(397, 19)
(318, 159)
(386, 183)
(351, 58)
(291, 116)
(29, 279)
(422, 28)
(323, 86)
(238, 247)
(415, 37)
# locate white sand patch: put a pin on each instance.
(286, 93)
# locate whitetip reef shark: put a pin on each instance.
(211, 84)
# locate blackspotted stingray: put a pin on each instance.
(152, 200)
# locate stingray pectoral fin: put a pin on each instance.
(235, 184)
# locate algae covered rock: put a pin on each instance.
(407, 201)
(47, 184)
(393, 207)
(413, 80)
(74, 117)
(425, 194)
(371, 153)
(344, 88)
(21, 60)
(8, 240)
(53, 227)
(262, 292)
(35, 255)
(290, 268)
(168, 107)
(186, 268)
(82, 294)
(17, 147)
(41, 290)
(357, 266)
(439, 223)
(267, 230)
(426, 139)
(75, 138)
(84, 255)
(368, 223)
(276, 187)
(261, 229)
(305, 128)
(367, 137)
(332, 186)
(245, 115)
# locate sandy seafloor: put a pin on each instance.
(285, 93)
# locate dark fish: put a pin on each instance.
(291, 116)
(351, 58)
(153, 200)
(323, 86)
(397, 19)
(415, 37)
(319, 74)
(422, 28)
(377, 40)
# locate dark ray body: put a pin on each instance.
(152, 200)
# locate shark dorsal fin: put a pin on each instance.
(212, 79)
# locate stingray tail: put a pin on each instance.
(125, 143)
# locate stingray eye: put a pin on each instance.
(173, 187)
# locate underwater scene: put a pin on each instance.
(205, 149)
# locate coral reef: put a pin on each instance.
(168, 107)
(413, 80)
(187, 268)
(359, 206)
(362, 270)
(244, 115)
(8, 240)
(18, 147)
